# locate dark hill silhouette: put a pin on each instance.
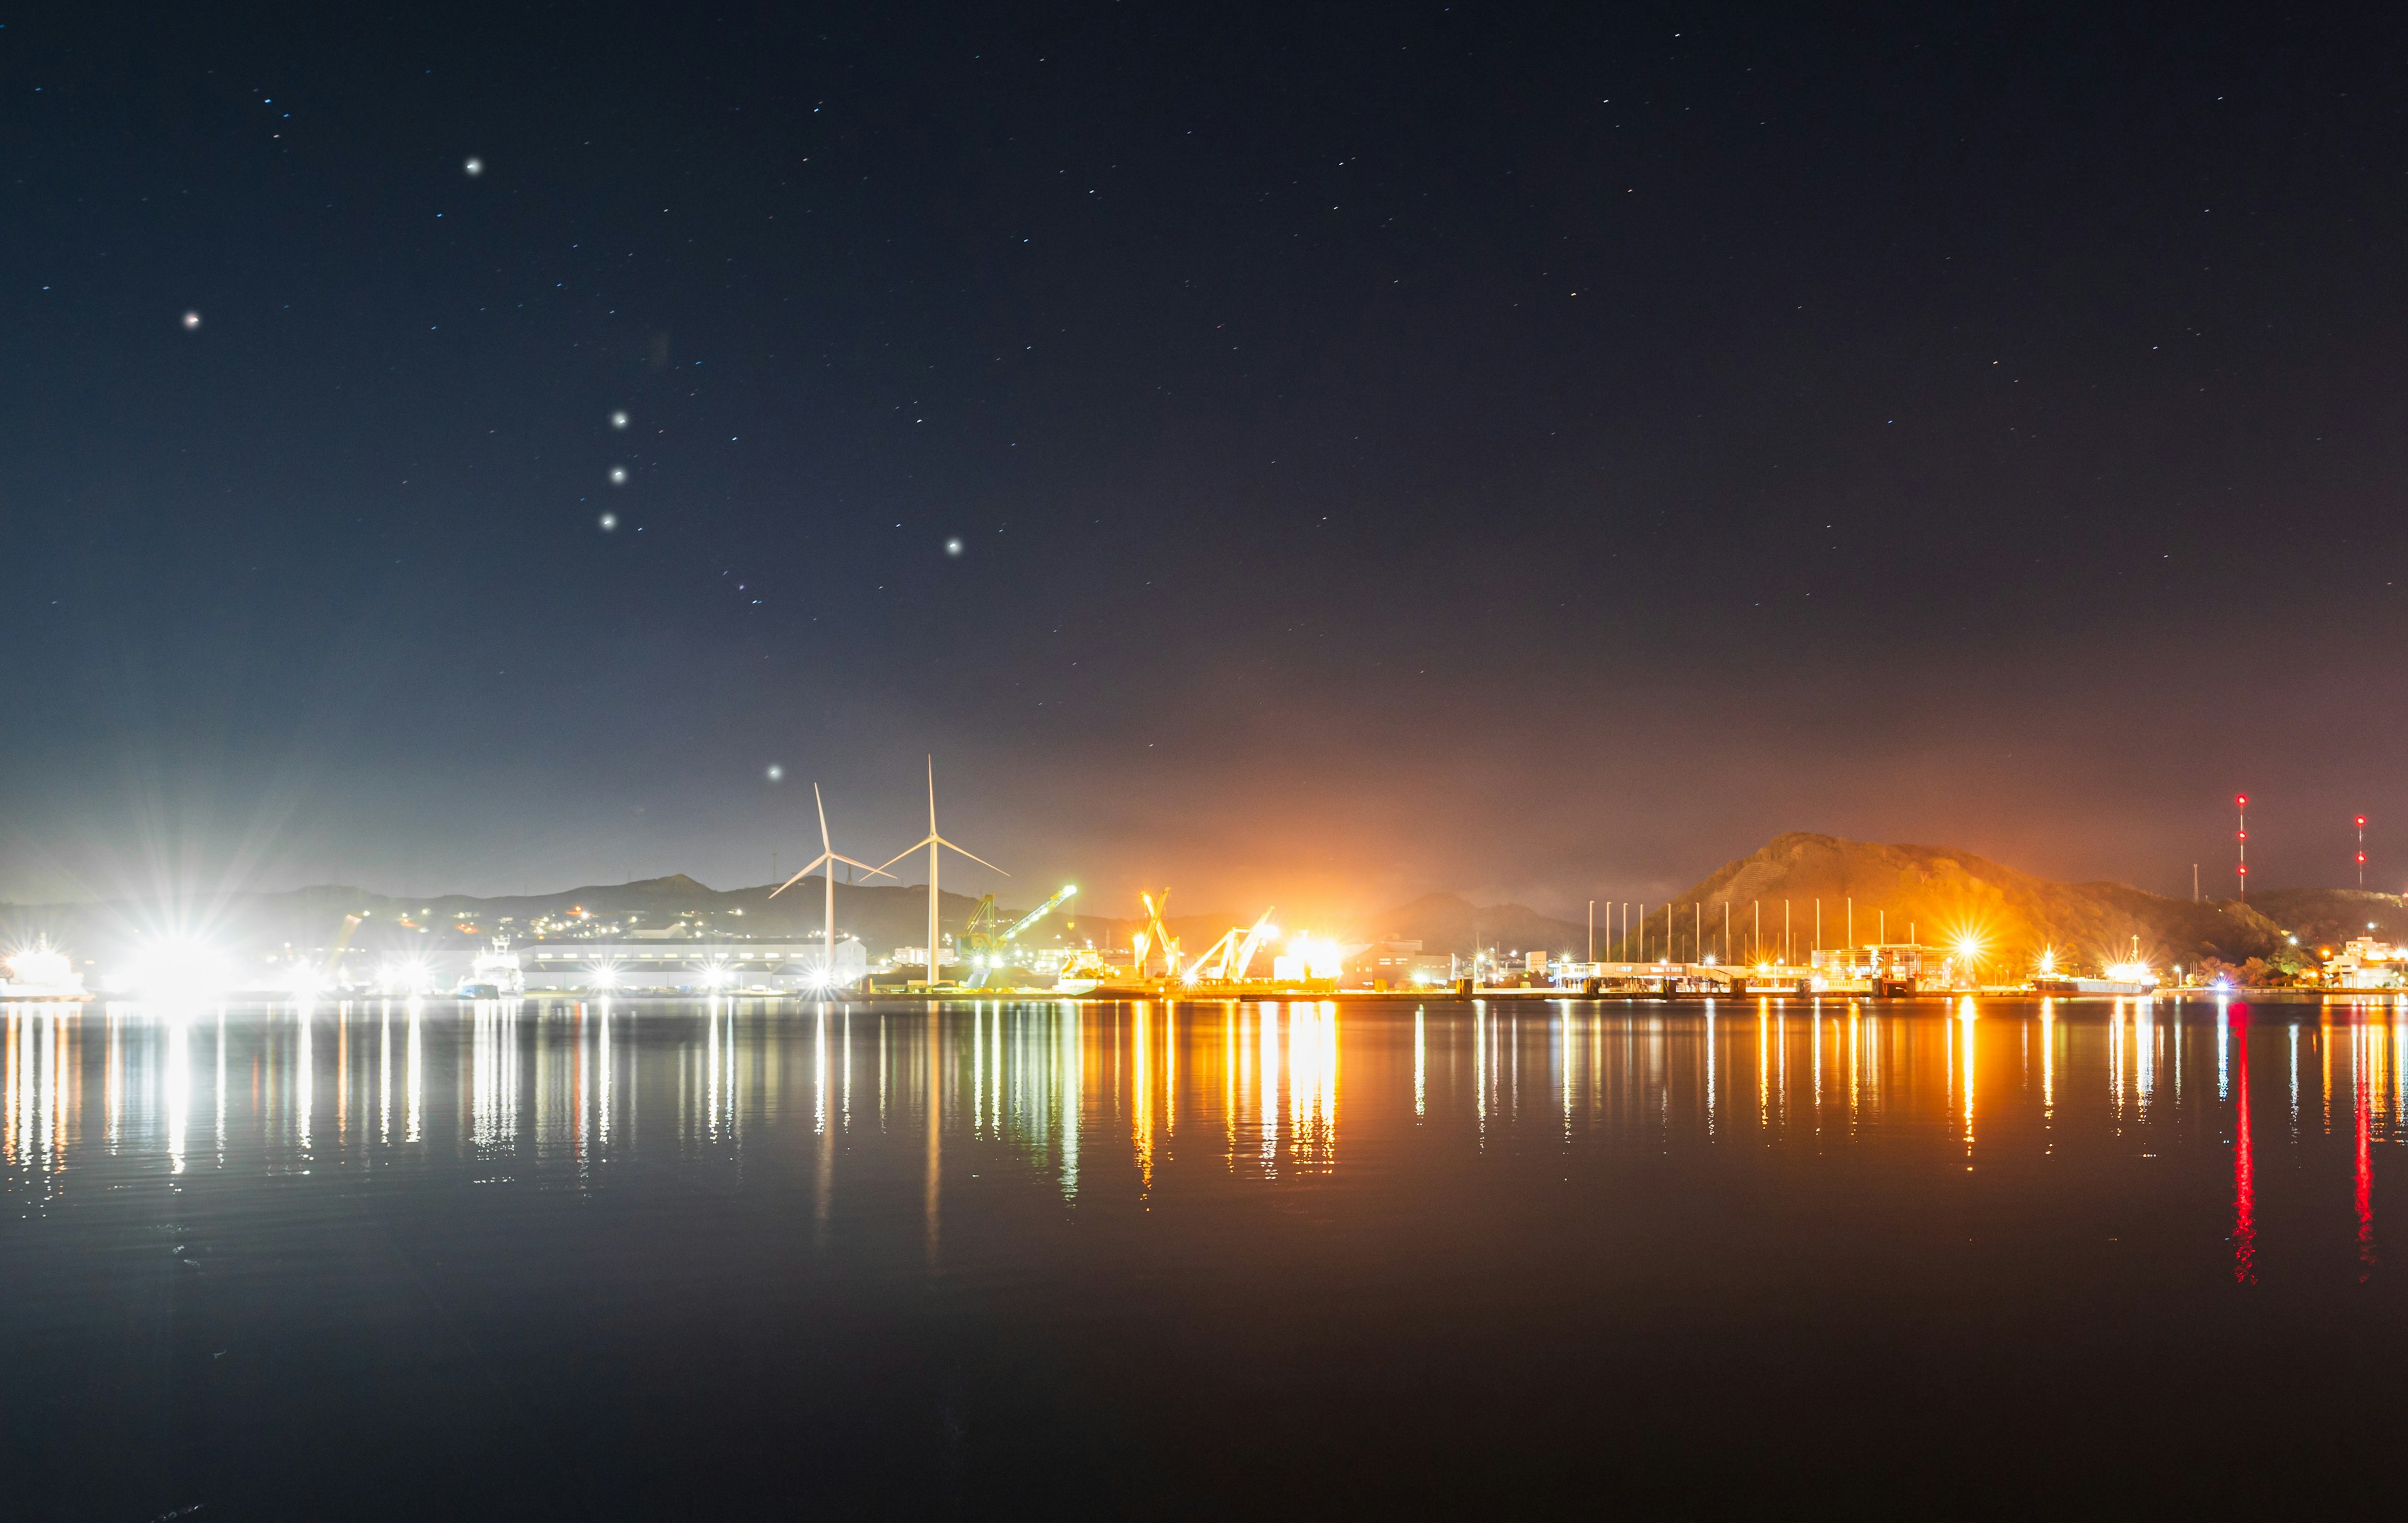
(1932, 892)
(2326, 917)
(1938, 894)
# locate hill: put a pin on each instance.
(1938, 894)
(2326, 917)
(1930, 893)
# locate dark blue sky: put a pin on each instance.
(1527, 452)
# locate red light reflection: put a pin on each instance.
(2365, 1161)
(2245, 1186)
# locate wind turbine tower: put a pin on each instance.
(932, 841)
(827, 861)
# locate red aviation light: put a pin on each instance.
(2244, 870)
(2361, 822)
(2241, 800)
(2243, 835)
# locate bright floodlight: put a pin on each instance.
(180, 966)
(410, 977)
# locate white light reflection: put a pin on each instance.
(1312, 1086)
(2116, 1060)
(1072, 1058)
(1266, 1095)
(1968, 1019)
(417, 1085)
(2048, 1058)
(1421, 1070)
(2294, 1081)
(178, 1082)
(2145, 1058)
(1142, 1095)
(384, 1074)
(1711, 1096)
(1480, 1071)
(112, 1083)
(823, 1174)
(305, 1083)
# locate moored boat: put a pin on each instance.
(42, 972)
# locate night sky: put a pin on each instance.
(1294, 455)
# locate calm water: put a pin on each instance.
(645, 1260)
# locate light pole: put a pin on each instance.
(2240, 807)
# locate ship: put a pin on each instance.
(494, 975)
(42, 972)
(2132, 976)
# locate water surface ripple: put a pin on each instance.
(645, 1259)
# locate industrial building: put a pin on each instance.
(687, 967)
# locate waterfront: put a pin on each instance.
(649, 1258)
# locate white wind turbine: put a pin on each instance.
(932, 843)
(827, 861)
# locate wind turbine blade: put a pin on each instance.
(901, 855)
(800, 876)
(973, 855)
(863, 866)
(932, 796)
(822, 803)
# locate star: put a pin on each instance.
(475, 166)
(775, 773)
(609, 522)
(192, 320)
(618, 476)
(953, 547)
(618, 420)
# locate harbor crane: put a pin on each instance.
(985, 946)
(1155, 938)
(1061, 896)
(342, 944)
(1235, 951)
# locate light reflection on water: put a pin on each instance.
(533, 1083)
(1007, 1149)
